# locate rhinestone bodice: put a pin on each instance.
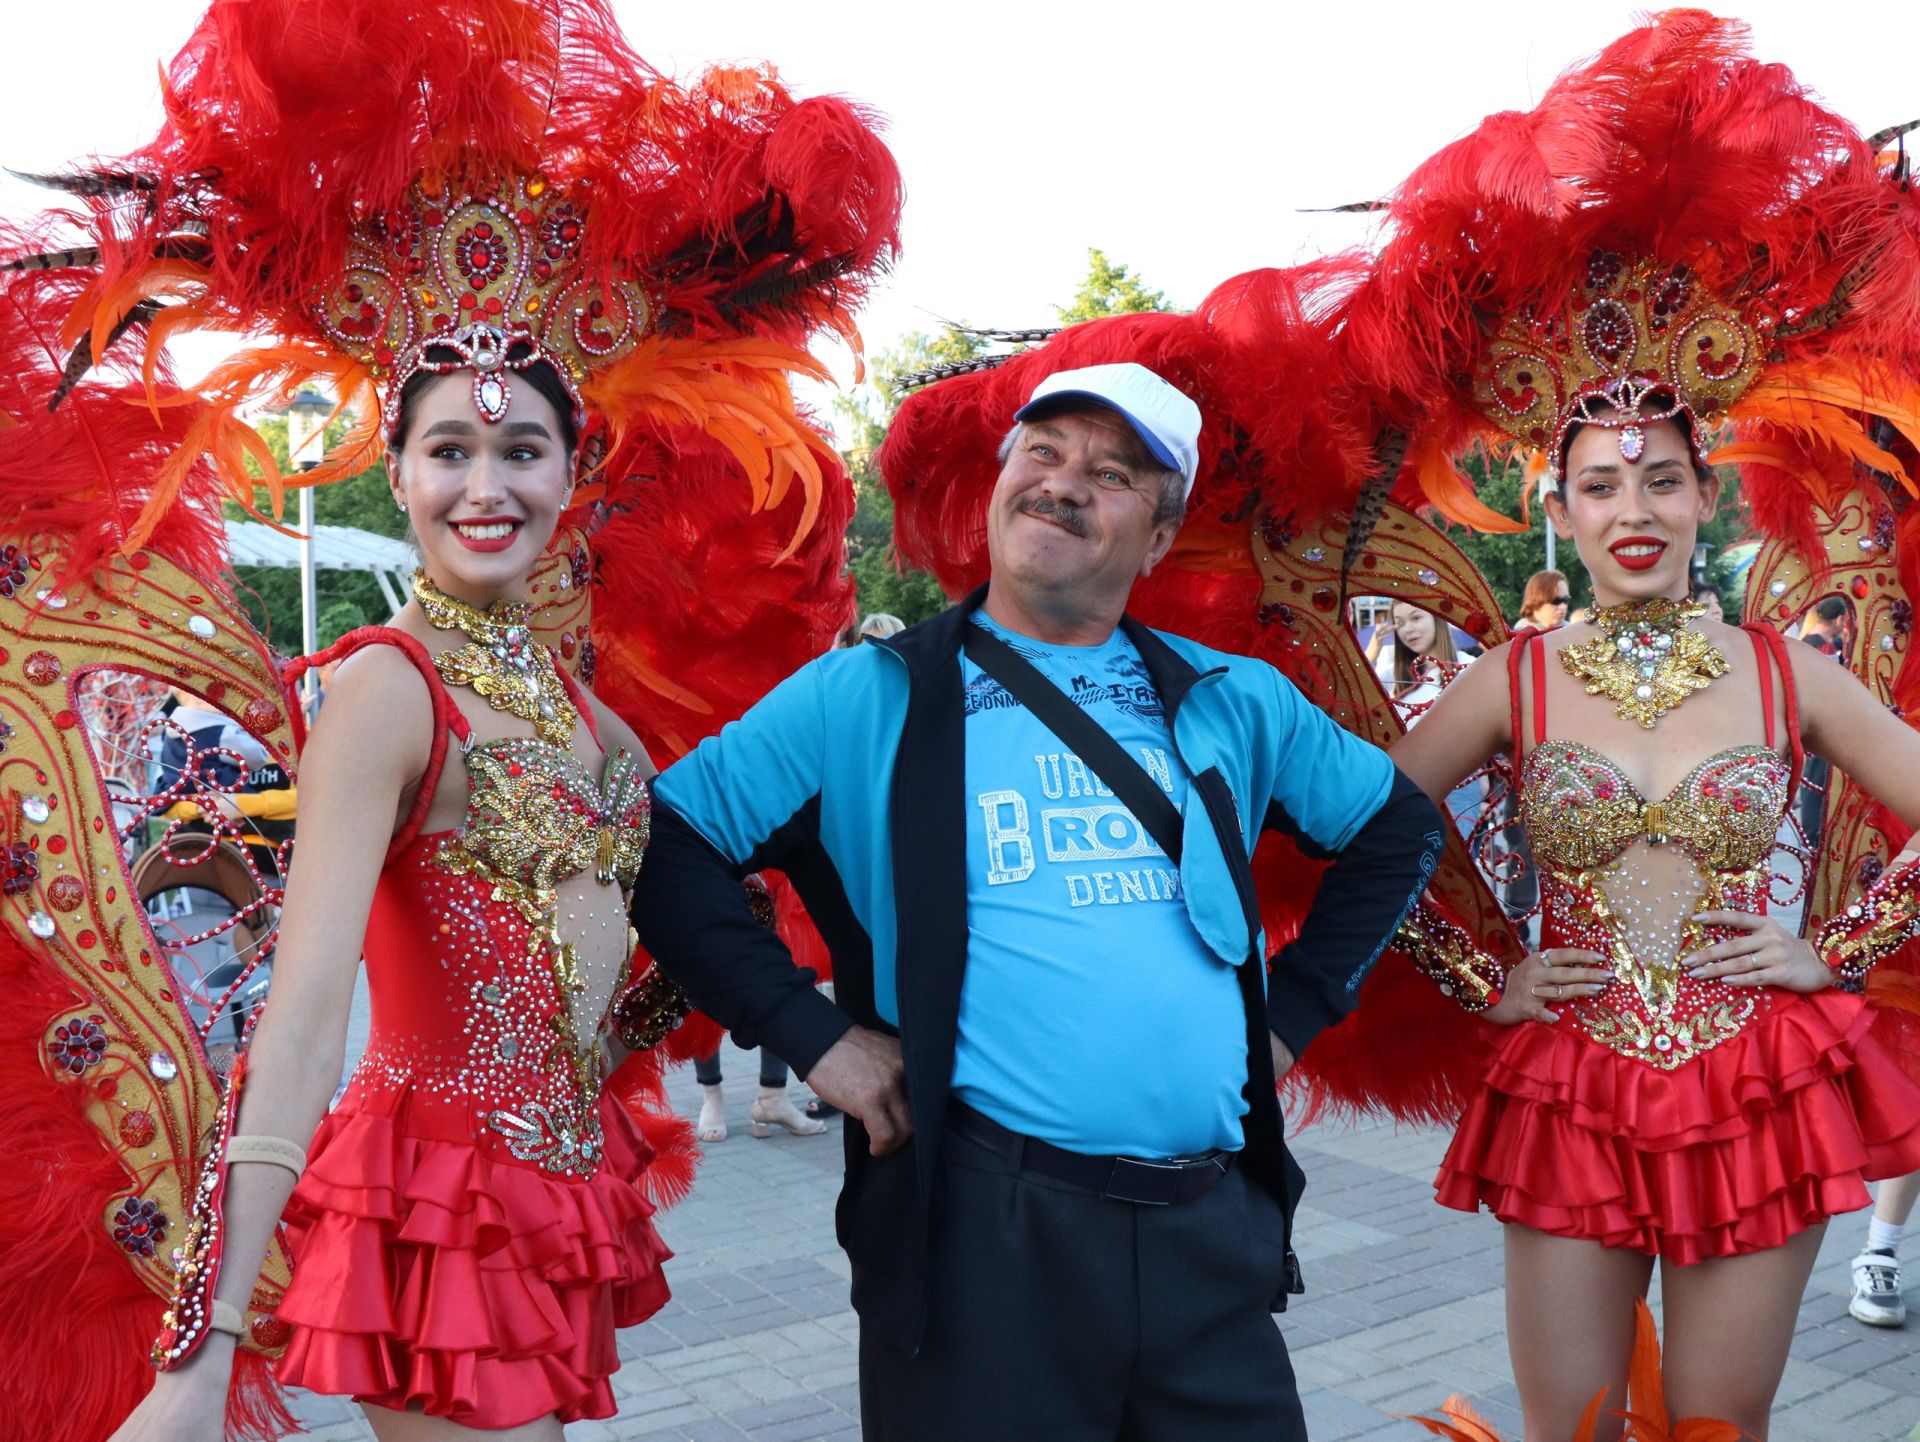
(488, 960)
(1623, 876)
(1582, 810)
(536, 816)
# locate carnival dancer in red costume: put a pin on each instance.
(1678, 239)
(553, 284)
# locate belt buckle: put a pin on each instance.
(1144, 1183)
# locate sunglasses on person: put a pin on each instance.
(1562, 600)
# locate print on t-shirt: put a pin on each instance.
(1097, 829)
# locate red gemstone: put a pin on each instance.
(138, 1129)
(87, 939)
(1859, 588)
(216, 691)
(138, 560)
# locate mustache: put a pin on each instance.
(1067, 515)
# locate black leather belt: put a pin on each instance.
(1156, 1183)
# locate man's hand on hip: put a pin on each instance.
(862, 1075)
(1282, 1056)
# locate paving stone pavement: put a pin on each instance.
(1403, 1308)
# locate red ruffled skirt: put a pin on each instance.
(430, 1275)
(1734, 1152)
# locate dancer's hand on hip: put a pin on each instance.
(1545, 979)
(1763, 953)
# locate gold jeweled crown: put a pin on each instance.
(495, 276)
(1630, 330)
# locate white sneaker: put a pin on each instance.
(1876, 1291)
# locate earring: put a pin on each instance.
(401, 502)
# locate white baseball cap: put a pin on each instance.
(1166, 419)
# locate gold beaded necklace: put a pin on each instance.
(1645, 659)
(502, 661)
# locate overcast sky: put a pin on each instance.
(1180, 138)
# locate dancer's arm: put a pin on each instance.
(367, 751)
(1840, 720)
(1470, 724)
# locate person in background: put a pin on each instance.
(1877, 1299)
(1545, 602)
(1424, 660)
(1824, 628)
(1709, 596)
(1379, 645)
(772, 1108)
(881, 624)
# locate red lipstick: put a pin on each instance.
(490, 543)
(1638, 563)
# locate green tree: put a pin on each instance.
(883, 583)
(1507, 560)
(1110, 289)
(346, 599)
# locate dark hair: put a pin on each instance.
(1702, 472)
(1703, 589)
(1831, 609)
(540, 375)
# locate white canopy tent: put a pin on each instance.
(335, 548)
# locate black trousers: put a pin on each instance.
(1060, 1316)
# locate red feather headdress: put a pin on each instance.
(1674, 217)
(503, 180)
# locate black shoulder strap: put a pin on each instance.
(1089, 739)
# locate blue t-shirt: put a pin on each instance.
(1092, 1015)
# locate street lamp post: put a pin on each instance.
(306, 415)
(1546, 521)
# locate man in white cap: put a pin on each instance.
(1023, 827)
